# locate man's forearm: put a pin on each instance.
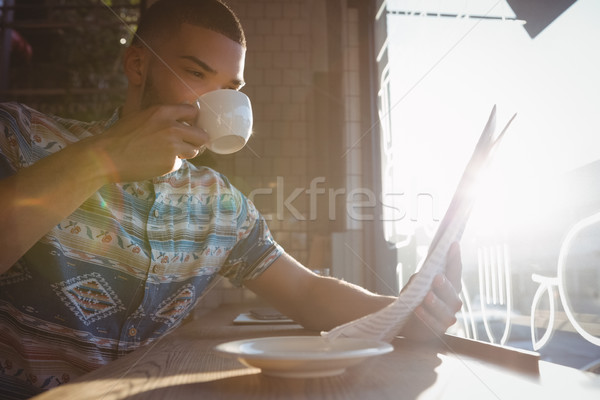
(334, 302)
(315, 302)
(36, 198)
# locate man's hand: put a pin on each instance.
(437, 311)
(149, 143)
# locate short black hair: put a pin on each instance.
(165, 16)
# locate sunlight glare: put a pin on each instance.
(449, 72)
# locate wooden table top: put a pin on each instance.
(184, 365)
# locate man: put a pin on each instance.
(109, 238)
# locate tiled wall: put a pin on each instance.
(279, 76)
(301, 75)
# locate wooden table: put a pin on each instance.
(184, 365)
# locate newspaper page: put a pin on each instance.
(386, 323)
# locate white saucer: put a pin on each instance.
(303, 356)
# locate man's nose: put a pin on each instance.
(206, 89)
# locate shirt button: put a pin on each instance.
(156, 213)
(132, 332)
(158, 269)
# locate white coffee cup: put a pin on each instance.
(226, 115)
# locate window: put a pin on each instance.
(64, 56)
(527, 284)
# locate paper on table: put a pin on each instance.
(249, 319)
(386, 323)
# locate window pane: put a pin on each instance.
(450, 62)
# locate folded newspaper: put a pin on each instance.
(386, 323)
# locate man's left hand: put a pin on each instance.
(438, 310)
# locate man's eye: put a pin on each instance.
(197, 74)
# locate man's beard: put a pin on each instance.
(149, 96)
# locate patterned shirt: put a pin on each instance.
(121, 270)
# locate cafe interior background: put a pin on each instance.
(366, 113)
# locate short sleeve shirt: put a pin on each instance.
(125, 267)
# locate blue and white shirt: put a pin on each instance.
(124, 268)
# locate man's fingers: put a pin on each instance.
(442, 310)
(189, 154)
(191, 140)
(446, 293)
(425, 326)
(438, 310)
(193, 136)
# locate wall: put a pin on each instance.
(305, 156)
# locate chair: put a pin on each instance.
(547, 284)
(495, 288)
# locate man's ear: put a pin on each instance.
(135, 64)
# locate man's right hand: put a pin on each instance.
(148, 144)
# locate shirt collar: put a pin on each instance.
(113, 118)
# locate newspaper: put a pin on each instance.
(386, 323)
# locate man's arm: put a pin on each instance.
(316, 302)
(139, 147)
(322, 303)
(36, 198)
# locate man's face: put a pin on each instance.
(190, 63)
